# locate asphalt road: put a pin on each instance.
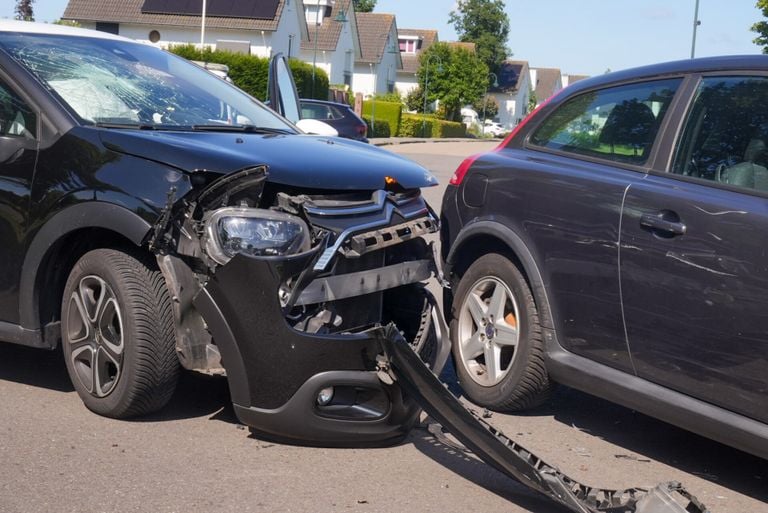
(194, 456)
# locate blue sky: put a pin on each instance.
(579, 37)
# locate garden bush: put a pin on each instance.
(251, 73)
(390, 112)
(383, 128)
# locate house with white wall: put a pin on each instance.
(260, 28)
(412, 43)
(376, 69)
(333, 43)
(513, 92)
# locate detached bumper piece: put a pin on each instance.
(510, 458)
(294, 386)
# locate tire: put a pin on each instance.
(118, 334)
(483, 329)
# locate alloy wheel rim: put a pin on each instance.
(95, 336)
(488, 331)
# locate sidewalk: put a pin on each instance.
(389, 141)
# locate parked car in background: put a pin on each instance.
(616, 242)
(339, 115)
(493, 128)
(153, 217)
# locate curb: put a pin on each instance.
(394, 142)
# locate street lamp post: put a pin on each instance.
(696, 23)
(426, 88)
(202, 27)
(485, 100)
(314, 54)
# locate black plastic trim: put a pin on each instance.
(668, 405)
(299, 422)
(225, 341)
(94, 214)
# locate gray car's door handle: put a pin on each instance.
(661, 223)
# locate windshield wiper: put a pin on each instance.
(130, 126)
(251, 129)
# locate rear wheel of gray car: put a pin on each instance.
(117, 334)
(496, 337)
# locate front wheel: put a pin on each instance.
(496, 337)
(118, 334)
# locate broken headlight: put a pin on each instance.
(253, 232)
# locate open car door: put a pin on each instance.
(284, 98)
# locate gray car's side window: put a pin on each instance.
(617, 123)
(726, 132)
(16, 117)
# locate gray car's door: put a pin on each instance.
(694, 254)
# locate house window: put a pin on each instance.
(110, 28)
(154, 36)
(409, 45)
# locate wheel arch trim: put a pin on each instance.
(93, 214)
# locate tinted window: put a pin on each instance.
(725, 135)
(618, 124)
(314, 111)
(16, 117)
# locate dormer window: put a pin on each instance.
(315, 11)
(409, 44)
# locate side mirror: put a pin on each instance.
(11, 148)
(283, 97)
(317, 127)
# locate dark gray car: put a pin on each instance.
(617, 242)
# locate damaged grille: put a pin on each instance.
(373, 244)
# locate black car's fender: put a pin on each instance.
(79, 216)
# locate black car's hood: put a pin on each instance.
(297, 160)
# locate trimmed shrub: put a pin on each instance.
(413, 125)
(251, 73)
(446, 129)
(390, 112)
(302, 75)
(382, 129)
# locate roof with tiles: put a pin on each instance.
(411, 61)
(547, 80)
(329, 32)
(129, 11)
(373, 29)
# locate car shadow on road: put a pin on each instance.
(196, 395)
(34, 367)
(469, 467)
(657, 440)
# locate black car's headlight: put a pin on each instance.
(253, 232)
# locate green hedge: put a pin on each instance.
(251, 73)
(411, 126)
(383, 128)
(390, 112)
(446, 129)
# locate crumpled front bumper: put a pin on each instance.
(275, 372)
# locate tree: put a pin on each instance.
(484, 23)
(24, 10)
(761, 27)
(457, 78)
(364, 5)
(491, 107)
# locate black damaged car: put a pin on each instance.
(154, 217)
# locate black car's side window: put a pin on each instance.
(618, 124)
(16, 117)
(726, 132)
